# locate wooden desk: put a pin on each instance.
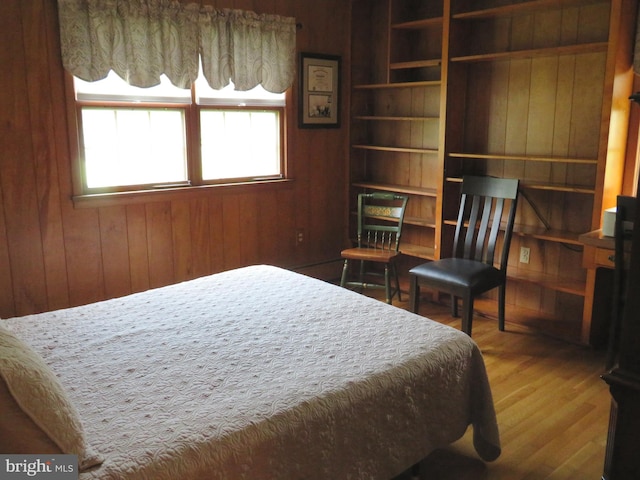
(598, 250)
(598, 254)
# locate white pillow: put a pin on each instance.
(37, 415)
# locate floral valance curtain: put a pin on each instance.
(142, 39)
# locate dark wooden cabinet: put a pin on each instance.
(622, 461)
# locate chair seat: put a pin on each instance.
(369, 254)
(460, 273)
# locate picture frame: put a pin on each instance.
(319, 99)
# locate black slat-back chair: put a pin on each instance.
(380, 218)
(623, 229)
(471, 270)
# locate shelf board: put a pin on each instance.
(381, 148)
(558, 187)
(418, 24)
(520, 8)
(408, 220)
(419, 222)
(534, 53)
(387, 187)
(552, 282)
(380, 86)
(526, 158)
(552, 187)
(435, 62)
(419, 251)
(394, 119)
(540, 233)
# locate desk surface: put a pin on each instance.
(597, 239)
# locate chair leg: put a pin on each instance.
(467, 314)
(395, 273)
(414, 293)
(454, 306)
(501, 306)
(387, 283)
(345, 268)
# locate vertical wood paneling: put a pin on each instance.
(267, 215)
(587, 104)
(138, 248)
(320, 191)
(332, 223)
(303, 174)
(231, 219)
(182, 243)
(45, 150)
(499, 106)
(58, 284)
(160, 244)
(249, 237)
(115, 251)
(6, 284)
(563, 102)
(217, 232)
(17, 175)
(244, 4)
(201, 256)
(7, 296)
(541, 123)
(286, 218)
(83, 256)
(518, 106)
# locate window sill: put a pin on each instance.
(176, 193)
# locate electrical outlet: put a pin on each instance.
(299, 236)
(525, 252)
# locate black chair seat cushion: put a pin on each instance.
(459, 273)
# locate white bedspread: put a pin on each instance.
(260, 373)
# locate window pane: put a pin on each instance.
(240, 144)
(133, 146)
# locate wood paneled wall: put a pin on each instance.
(54, 254)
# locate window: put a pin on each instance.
(134, 138)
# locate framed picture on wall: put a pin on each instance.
(319, 102)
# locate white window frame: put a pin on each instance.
(200, 98)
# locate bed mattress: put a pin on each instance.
(262, 373)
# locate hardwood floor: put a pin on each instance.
(552, 408)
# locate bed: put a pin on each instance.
(253, 373)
